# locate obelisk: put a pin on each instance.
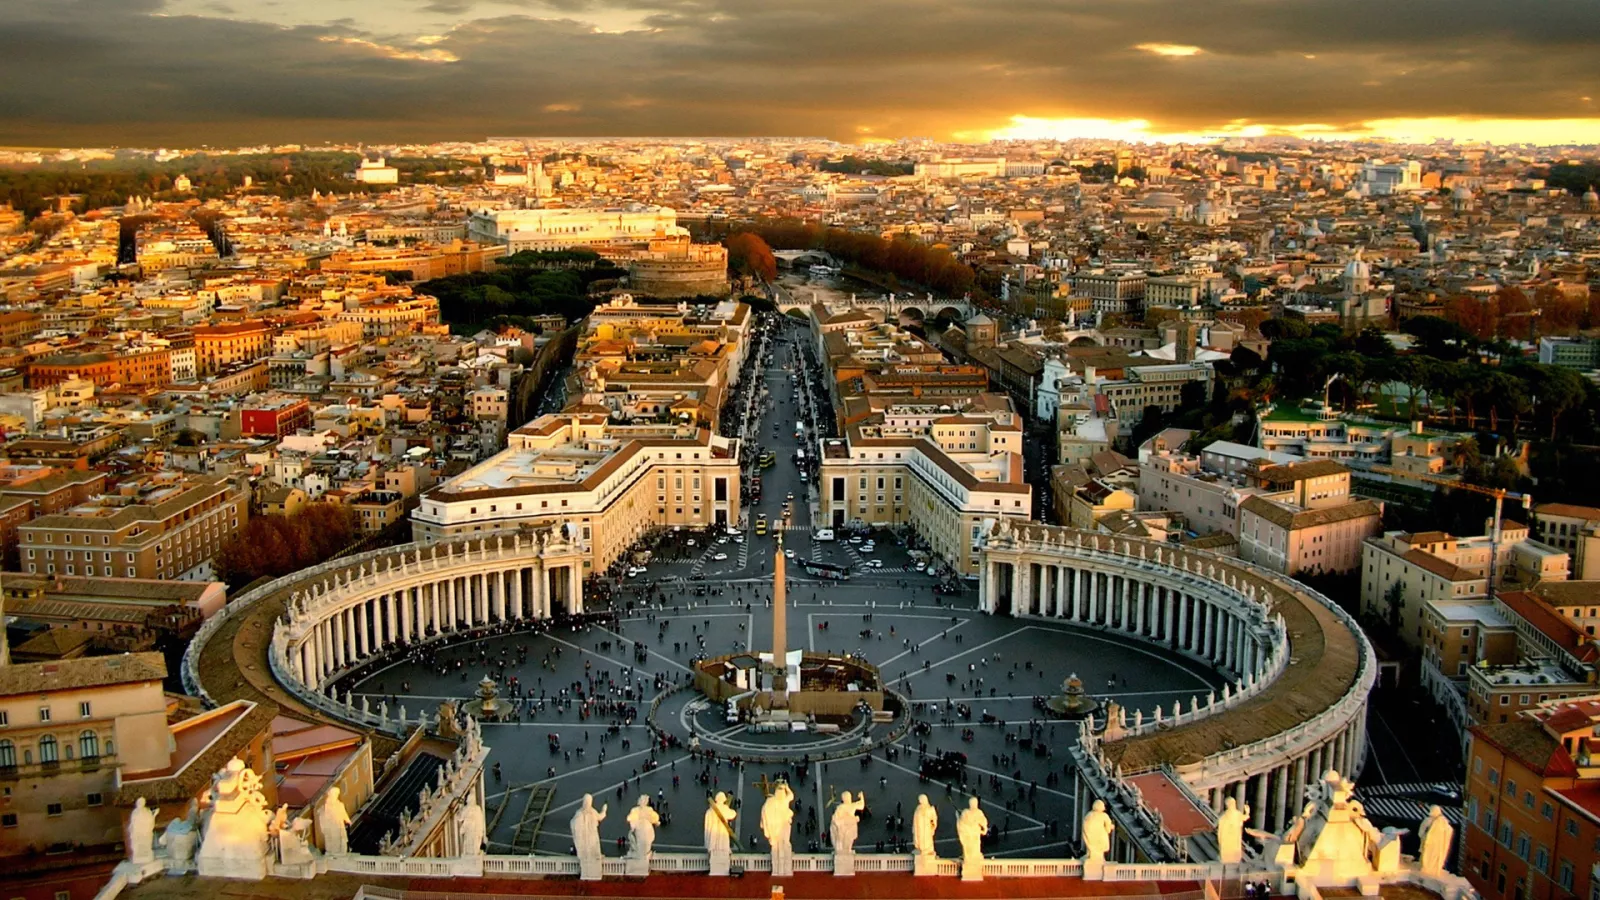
(780, 631)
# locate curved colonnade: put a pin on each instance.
(1299, 667)
(341, 614)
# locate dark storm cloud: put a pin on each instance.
(115, 71)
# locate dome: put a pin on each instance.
(1461, 193)
(1357, 269)
(1162, 200)
(1311, 230)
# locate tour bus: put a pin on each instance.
(768, 459)
(823, 534)
(826, 570)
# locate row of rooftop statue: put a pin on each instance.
(234, 834)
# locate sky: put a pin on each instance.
(231, 72)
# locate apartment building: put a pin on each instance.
(1303, 519)
(164, 526)
(1179, 483)
(1562, 525)
(219, 347)
(946, 481)
(1403, 573)
(1531, 826)
(1118, 293)
(66, 730)
(607, 483)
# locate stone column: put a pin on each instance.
(1016, 587)
(361, 629)
(1280, 804)
(433, 607)
(1238, 793)
(517, 609)
(1139, 588)
(575, 574)
(1297, 785)
(1183, 620)
(1259, 812)
(452, 613)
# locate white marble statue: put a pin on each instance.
(179, 839)
(1434, 836)
(235, 842)
(642, 822)
(717, 828)
(843, 826)
(293, 846)
(777, 816)
(140, 836)
(586, 837)
(1097, 831)
(333, 822)
(971, 826)
(471, 827)
(1230, 832)
(924, 822)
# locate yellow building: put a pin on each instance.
(66, 728)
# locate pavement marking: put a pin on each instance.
(649, 651)
(937, 637)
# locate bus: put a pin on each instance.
(761, 526)
(826, 570)
(768, 459)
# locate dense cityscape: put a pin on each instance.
(1206, 518)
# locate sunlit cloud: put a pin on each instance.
(432, 54)
(561, 107)
(1543, 132)
(1169, 49)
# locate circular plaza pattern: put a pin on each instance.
(1231, 681)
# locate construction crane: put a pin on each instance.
(1499, 495)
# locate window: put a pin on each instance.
(1564, 875)
(1541, 859)
(94, 799)
(88, 745)
(49, 752)
(8, 755)
(44, 713)
(1524, 845)
(1547, 810)
(9, 820)
(83, 709)
(53, 809)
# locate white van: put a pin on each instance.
(823, 534)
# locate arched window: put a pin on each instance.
(47, 750)
(88, 745)
(8, 755)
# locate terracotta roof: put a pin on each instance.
(1553, 625)
(71, 674)
(1570, 510)
(1294, 518)
(1526, 741)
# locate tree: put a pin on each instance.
(750, 256)
(1394, 602)
(1275, 329)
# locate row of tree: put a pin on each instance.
(1512, 313)
(907, 259)
(1468, 383)
(274, 546)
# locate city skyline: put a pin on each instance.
(206, 71)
